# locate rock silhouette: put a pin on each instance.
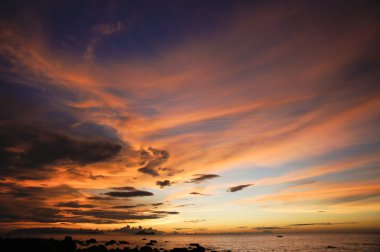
(111, 242)
(38, 245)
(70, 245)
(146, 249)
(91, 241)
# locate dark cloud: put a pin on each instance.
(170, 171)
(27, 152)
(353, 198)
(36, 212)
(100, 198)
(128, 192)
(95, 177)
(158, 204)
(311, 224)
(198, 193)
(128, 206)
(268, 228)
(202, 177)
(13, 209)
(238, 188)
(124, 188)
(194, 221)
(75, 171)
(15, 191)
(320, 224)
(165, 212)
(136, 193)
(90, 220)
(13, 206)
(18, 213)
(74, 204)
(152, 159)
(163, 183)
(116, 215)
(184, 205)
(28, 203)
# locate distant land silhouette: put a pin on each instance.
(138, 230)
(55, 230)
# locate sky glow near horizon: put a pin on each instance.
(198, 116)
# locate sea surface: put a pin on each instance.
(247, 242)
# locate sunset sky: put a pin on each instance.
(190, 116)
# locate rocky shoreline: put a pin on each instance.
(91, 245)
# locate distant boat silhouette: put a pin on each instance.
(280, 236)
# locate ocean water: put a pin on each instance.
(250, 242)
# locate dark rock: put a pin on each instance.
(179, 250)
(91, 241)
(115, 250)
(199, 249)
(111, 242)
(82, 243)
(123, 242)
(331, 247)
(69, 244)
(97, 248)
(131, 249)
(146, 249)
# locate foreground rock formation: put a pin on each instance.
(70, 245)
